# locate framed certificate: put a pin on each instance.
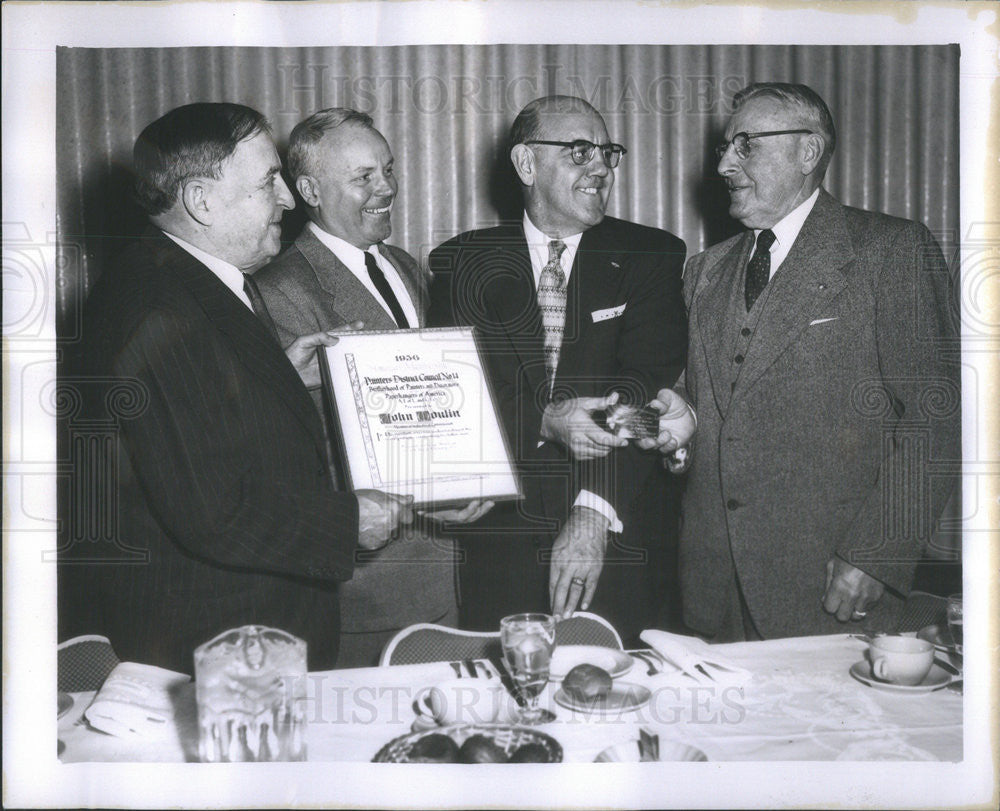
(415, 416)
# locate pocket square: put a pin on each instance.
(823, 320)
(610, 312)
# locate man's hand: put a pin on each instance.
(850, 593)
(570, 423)
(677, 423)
(379, 516)
(577, 559)
(302, 352)
(473, 511)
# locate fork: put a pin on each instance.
(644, 657)
(699, 672)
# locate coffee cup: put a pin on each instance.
(901, 659)
(466, 701)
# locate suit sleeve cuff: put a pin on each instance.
(585, 498)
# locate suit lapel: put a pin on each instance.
(248, 337)
(812, 274)
(347, 292)
(416, 291)
(595, 278)
(712, 306)
(513, 286)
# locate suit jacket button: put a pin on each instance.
(745, 331)
(738, 359)
(732, 504)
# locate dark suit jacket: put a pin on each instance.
(307, 289)
(222, 479)
(827, 441)
(625, 331)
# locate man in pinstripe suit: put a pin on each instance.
(223, 486)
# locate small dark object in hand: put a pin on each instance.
(480, 749)
(530, 753)
(632, 422)
(435, 748)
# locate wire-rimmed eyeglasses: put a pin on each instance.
(741, 141)
(582, 151)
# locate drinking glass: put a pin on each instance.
(955, 620)
(528, 641)
(250, 685)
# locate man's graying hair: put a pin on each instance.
(528, 124)
(815, 114)
(308, 133)
(188, 142)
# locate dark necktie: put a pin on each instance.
(257, 302)
(759, 268)
(382, 285)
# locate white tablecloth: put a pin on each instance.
(800, 704)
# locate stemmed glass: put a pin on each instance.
(528, 641)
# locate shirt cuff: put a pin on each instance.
(693, 413)
(585, 498)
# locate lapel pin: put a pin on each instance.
(822, 286)
(616, 265)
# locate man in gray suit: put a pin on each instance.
(823, 370)
(340, 271)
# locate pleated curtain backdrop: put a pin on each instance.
(445, 111)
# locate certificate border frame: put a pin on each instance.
(337, 431)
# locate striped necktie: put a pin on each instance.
(552, 303)
(759, 268)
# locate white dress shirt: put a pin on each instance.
(786, 230)
(230, 275)
(538, 250)
(353, 258)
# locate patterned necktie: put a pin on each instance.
(382, 285)
(552, 303)
(759, 268)
(257, 302)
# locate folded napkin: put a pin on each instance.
(136, 701)
(695, 657)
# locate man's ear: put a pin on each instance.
(524, 163)
(194, 196)
(812, 152)
(308, 189)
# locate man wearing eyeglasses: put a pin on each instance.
(574, 311)
(817, 369)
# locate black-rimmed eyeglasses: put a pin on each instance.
(741, 141)
(582, 151)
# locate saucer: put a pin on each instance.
(936, 678)
(623, 697)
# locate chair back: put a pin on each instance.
(426, 642)
(584, 628)
(84, 662)
(922, 609)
